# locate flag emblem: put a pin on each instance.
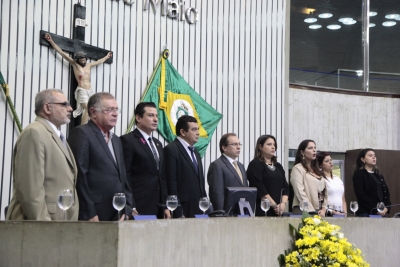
(174, 97)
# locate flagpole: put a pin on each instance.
(10, 103)
(147, 88)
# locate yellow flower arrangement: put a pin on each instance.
(319, 243)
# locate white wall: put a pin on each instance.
(340, 122)
(234, 57)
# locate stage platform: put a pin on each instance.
(180, 242)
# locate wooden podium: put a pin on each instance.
(233, 242)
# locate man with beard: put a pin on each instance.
(43, 163)
(82, 75)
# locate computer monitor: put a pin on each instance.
(234, 195)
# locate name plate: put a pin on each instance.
(243, 216)
(145, 217)
(201, 216)
(295, 216)
(375, 216)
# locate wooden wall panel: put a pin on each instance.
(234, 57)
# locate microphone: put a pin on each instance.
(394, 205)
(280, 201)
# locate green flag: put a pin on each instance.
(174, 97)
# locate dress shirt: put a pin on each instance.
(58, 132)
(186, 146)
(231, 161)
(109, 143)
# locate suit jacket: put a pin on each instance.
(222, 174)
(182, 179)
(305, 187)
(147, 183)
(99, 176)
(367, 192)
(42, 166)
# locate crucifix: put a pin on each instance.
(80, 83)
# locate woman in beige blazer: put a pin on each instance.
(307, 181)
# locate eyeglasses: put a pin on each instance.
(111, 110)
(64, 104)
(235, 144)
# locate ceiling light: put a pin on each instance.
(334, 27)
(392, 15)
(397, 18)
(310, 20)
(314, 26)
(351, 22)
(389, 23)
(325, 15)
(359, 72)
(372, 25)
(345, 19)
(373, 13)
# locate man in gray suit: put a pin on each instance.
(226, 171)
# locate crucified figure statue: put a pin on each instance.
(82, 75)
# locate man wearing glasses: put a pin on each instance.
(226, 171)
(43, 163)
(100, 161)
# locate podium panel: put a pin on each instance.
(179, 242)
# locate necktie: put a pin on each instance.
(153, 149)
(62, 137)
(196, 167)
(238, 170)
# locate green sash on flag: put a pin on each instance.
(174, 97)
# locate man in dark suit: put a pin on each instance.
(100, 161)
(144, 160)
(226, 171)
(184, 170)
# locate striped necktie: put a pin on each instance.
(153, 149)
(196, 167)
(62, 137)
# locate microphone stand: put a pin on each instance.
(280, 202)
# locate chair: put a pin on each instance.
(396, 215)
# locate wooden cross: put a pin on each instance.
(73, 46)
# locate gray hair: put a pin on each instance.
(45, 96)
(95, 100)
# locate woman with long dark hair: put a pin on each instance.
(308, 181)
(370, 186)
(267, 174)
(334, 185)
